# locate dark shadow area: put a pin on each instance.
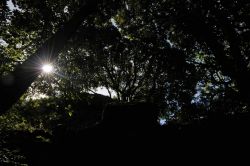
(92, 80)
(124, 134)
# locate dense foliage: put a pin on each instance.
(189, 57)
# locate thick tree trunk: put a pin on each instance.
(17, 82)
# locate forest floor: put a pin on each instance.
(69, 148)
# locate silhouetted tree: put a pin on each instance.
(15, 83)
(189, 57)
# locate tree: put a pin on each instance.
(188, 57)
(14, 84)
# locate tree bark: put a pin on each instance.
(13, 85)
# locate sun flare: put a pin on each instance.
(47, 68)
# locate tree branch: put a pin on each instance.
(17, 82)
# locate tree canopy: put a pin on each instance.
(188, 57)
(119, 68)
